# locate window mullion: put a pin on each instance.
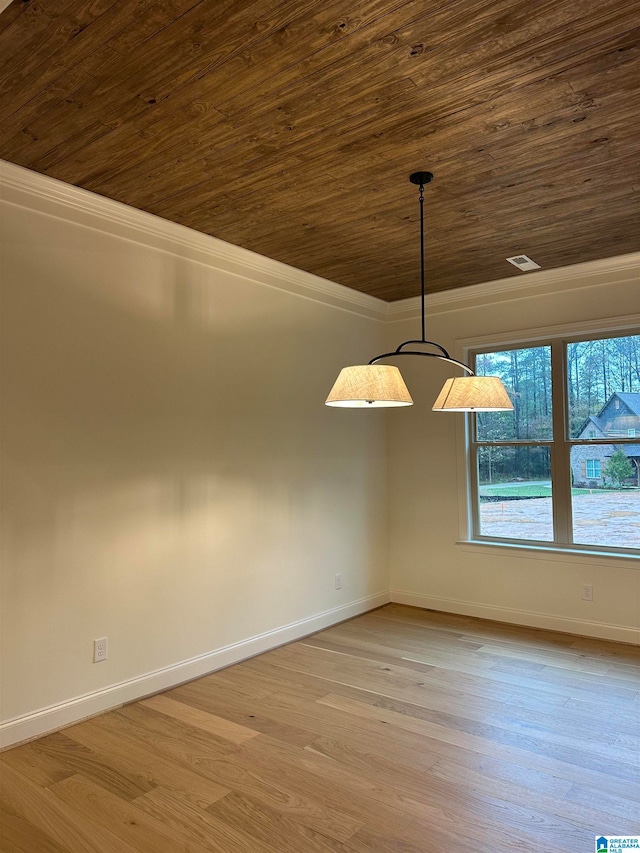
(560, 453)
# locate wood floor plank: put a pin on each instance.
(434, 809)
(43, 809)
(621, 807)
(244, 710)
(172, 734)
(367, 651)
(201, 719)
(451, 708)
(266, 824)
(260, 773)
(505, 666)
(379, 802)
(129, 753)
(35, 765)
(143, 832)
(399, 731)
(512, 767)
(523, 750)
(77, 758)
(229, 770)
(532, 796)
(17, 834)
(200, 825)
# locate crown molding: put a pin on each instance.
(540, 283)
(31, 190)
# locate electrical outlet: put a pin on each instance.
(100, 649)
(338, 580)
(587, 592)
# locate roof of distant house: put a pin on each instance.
(632, 400)
(629, 449)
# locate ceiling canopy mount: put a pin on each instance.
(421, 178)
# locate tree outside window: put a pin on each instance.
(618, 469)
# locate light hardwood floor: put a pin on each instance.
(399, 731)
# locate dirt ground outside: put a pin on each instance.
(603, 518)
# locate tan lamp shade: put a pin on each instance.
(473, 394)
(369, 386)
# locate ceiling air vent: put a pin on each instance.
(523, 263)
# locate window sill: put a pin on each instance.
(573, 554)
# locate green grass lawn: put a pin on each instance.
(523, 490)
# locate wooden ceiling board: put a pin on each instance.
(290, 127)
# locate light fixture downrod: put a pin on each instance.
(422, 178)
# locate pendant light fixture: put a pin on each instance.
(375, 385)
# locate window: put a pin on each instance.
(592, 467)
(539, 474)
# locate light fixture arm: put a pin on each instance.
(444, 356)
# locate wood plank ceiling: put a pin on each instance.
(290, 127)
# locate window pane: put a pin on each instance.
(593, 469)
(606, 495)
(526, 374)
(515, 493)
(603, 382)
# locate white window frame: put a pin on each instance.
(555, 336)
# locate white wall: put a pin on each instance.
(170, 476)
(171, 479)
(426, 465)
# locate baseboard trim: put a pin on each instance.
(63, 714)
(530, 619)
